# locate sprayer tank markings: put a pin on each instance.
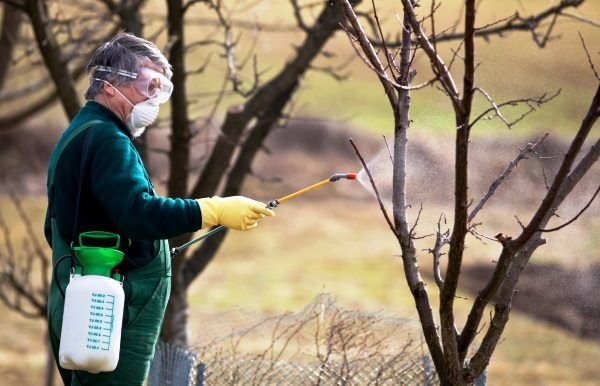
(101, 320)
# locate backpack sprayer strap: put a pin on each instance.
(51, 177)
(80, 184)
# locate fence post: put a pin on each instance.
(171, 366)
(200, 373)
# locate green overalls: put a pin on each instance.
(147, 286)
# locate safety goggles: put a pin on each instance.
(148, 82)
(154, 85)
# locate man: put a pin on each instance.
(97, 181)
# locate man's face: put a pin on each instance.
(118, 104)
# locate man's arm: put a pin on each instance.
(119, 183)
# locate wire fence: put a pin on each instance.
(322, 344)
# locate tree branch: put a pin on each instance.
(516, 22)
(53, 58)
(588, 56)
(511, 247)
(576, 216)
(523, 154)
(507, 290)
(370, 53)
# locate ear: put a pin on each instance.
(108, 89)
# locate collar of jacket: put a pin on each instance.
(96, 108)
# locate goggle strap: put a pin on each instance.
(117, 71)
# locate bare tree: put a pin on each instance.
(448, 347)
(24, 274)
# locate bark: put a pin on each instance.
(454, 346)
(53, 59)
(409, 253)
(438, 66)
(546, 205)
(176, 316)
(457, 242)
(11, 21)
(236, 121)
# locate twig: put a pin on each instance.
(531, 102)
(588, 56)
(392, 66)
(441, 239)
(574, 218)
(298, 16)
(517, 23)
(381, 206)
(411, 233)
(530, 147)
(595, 23)
(546, 38)
(387, 145)
(331, 71)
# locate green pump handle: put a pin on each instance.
(100, 239)
(98, 253)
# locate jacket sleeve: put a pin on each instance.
(119, 182)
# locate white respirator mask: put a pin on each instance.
(142, 116)
(151, 84)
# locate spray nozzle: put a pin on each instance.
(339, 176)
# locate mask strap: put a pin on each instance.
(116, 89)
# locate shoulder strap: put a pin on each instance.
(81, 168)
(64, 144)
(56, 158)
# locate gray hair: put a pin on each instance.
(124, 54)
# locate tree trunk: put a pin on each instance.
(174, 328)
(51, 53)
(175, 322)
(11, 21)
(50, 368)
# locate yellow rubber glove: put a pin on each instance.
(237, 212)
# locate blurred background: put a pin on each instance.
(303, 91)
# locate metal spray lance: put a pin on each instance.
(272, 204)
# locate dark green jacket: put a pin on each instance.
(117, 195)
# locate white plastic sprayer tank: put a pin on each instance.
(93, 311)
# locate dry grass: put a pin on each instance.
(341, 247)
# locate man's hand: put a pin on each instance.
(235, 212)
